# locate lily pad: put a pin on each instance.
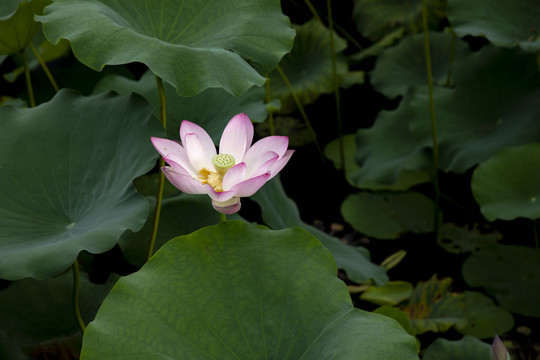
(195, 109)
(509, 273)
(279, 212)
(468, 348)
(308, 66)
(192, 45)
(278, 297)
(502, 22)
(505, 187)
(17, 24)
(389, 215)
(66, 173)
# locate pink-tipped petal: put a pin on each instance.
(237, 137)
(185, 182)
(249, 187)
(278, 165)
(220, 195)
(227, 207)
(261, 164)
(187, 127)
(277, 144)
(197, 154)
(181, 168)
(173, 153)
(235, 175)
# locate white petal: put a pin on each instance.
(196, 153)
(187, 127)
(277, 144)
(237, 137)
(235, 175)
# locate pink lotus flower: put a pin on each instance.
(239, 170)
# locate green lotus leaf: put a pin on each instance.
(459, 240)
(502, 22)
(404, 65)
(376, 18)
(308, 67)
(180, 215)
(213, 119)
(192, 45)
(492, 106)
(17, 24)
(279, 212)
(397, 315)
(38, 311)
(388, 149)
(236, 291)
(506, 186)
(509, 273)
(467, 348)
(390, 294)
(406, 178)
(66, 173)
(484, 318)
(389, 215)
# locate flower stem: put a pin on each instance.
(301, 109)
(28, 80)
(432, 117)
(75, 268)
(270, 111)
(159, 196)
(222, 217)
(44, 67)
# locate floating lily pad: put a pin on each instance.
(278, 293)
(213, 118)
(308, 66)
(404, 65)
(510, 273)
(389, 215)
(66, 173)
(17, 24)
(279, 212)
(192, 45)
(504, 23)
(505, 187)
(468, 348)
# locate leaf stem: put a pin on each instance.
(335, 86)
(28, 80)
(159, 196)
(44, 67)
(301, 109)
(432, 117)
(75, 268)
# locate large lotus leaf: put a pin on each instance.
(236, 291)
(180, 215)
(279, 212)
(505, 187)
(468, 348)
(36, 311)
(510, 273)
(17, 24)
(196, 108)
(503, 22)
(404, 65)
(308, 67)
(67, 168)
(405, 180)
(375, 18)
(493, 105)
(389, 215)
(484, 318)
(388, 149)
(193, 45)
